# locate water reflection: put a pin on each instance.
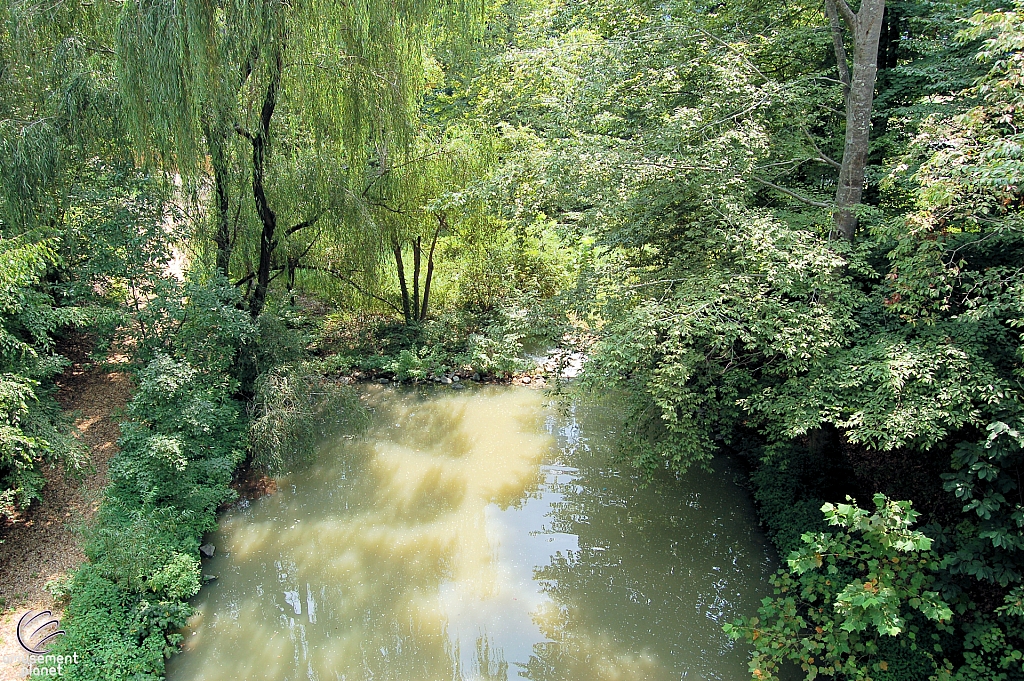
(478, 535)
(658, 570)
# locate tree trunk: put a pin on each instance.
(216, 143)
(839, 46)
(416, 278)
(268, 241)
(292, 266)
(889, 41)
(865, 27)
(223, 237)
(406, 312)
(442, 220)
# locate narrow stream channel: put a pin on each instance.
(479, 534)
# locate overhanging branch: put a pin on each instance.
(822, 156)
(343, 277)
(381, 204)
(792, 194)
(304, 224)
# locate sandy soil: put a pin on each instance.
(45, 543)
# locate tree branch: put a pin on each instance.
(848, 15)
(246, 69)
(732, 49)
(347, 280)
(309, 247)
(304, 224)
(821, 155)
(246, 279)
(838, 44)
(102, 49)
(252, 275)
(381, 204)
(792, 194)
(442, 223)
(385, 171)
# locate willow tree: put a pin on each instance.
(292, 97)
(76, 220)
(57, 112)
(420, 200)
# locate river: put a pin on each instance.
(479, 534)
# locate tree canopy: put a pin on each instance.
(787, 232)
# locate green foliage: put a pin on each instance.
(984, 479)
(659, 172)
(784, 487)
(497, 348)
(117, 634)
(408, 366)
(197, 320)
(911, 388)
(18, 451)
(31, 429)
(183, 437)
(846, 590)
(687, 152)
(496, 351)
(765, 304)
(294, 407)
(490, 343)
(77, 221)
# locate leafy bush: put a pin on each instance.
(490, 343)
(118, 635)
(408, 366)
(765, 304)
(31, 427)
(199, 320)
(497, 351)
(844, 591)
(183, 437)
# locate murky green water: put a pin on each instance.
(478, 534)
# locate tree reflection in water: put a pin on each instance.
(461, 538)
(660, 567)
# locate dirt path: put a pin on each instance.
(46, 543)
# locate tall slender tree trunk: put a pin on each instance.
(268, 240)
(217, 133)
(839, 46)
(889, 41)
(217, 144)
(865, 27)
(442, 221)
(415, 307)
(406, 311)
(416, 278)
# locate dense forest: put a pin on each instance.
(788, 232)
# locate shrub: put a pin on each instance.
(844, 591)
(31, 426)
(183, 437)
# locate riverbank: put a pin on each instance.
(555, 366)
(46, 544)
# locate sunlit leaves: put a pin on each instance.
(845, 589)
